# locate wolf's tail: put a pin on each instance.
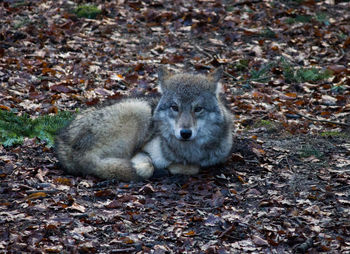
(104, 168)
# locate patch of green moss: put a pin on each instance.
(264, 123)
(87, 11)
(21, 23)
(299, 19)
(17, 4)
(269, 126)
(268, 33)
(310, 150)
(322, 17)
(334, 134)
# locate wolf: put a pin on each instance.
(184, 128)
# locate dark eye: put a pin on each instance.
(198, 109)
(174, 108)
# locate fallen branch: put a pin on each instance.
(42, 191)
(227, 231)
(123, 250)
(247, 189)
(204, 52)
(247, 2)
(322, 120)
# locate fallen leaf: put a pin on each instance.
(36, 195)
(259, 241)
(77, 207)
(190, 233)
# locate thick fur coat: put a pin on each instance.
(183, 129)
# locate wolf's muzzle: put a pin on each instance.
(186, 134)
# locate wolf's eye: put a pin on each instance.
(198, 109)
(174, 108)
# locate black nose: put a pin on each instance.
(186, 133)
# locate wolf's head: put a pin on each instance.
(190, 106)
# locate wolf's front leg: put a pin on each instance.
(143, 165)
(183, 169)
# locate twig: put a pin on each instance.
(322, 120)
(39, 191)
(203, 52)
(247, 2)
(231, 76)
(123, 250)
(247, 189)
(227, 231)
(286, 159)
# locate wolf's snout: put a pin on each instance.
(186, 133)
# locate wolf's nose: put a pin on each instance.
(186, 133)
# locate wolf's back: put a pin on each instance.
(102, 141)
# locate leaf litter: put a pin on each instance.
(283, 190)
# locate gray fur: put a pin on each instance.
(213, 142)
(130, 138)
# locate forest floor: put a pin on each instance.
(286, 187)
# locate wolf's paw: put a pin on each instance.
(145, 170)
(143, 165)
(183, 169)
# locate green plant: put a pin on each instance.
(310, 150)
(229, 8)
(17, 4)
(322, 18)
(338, 89)
(262, 73)
(87, 11)
(268, 125)
(299, 19)
(319, 17)
(265, 123)
(268, 33)
(242, 65)
(312, 74)
(14, 128)
(342, 36)
(291, 74)
(333, 134)
(247, 9)
(303, 18)
(21, 23)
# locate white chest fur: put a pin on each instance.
(153, 148)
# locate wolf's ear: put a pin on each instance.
(215, 77)
(163, 74)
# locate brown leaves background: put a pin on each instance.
(285, 188)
